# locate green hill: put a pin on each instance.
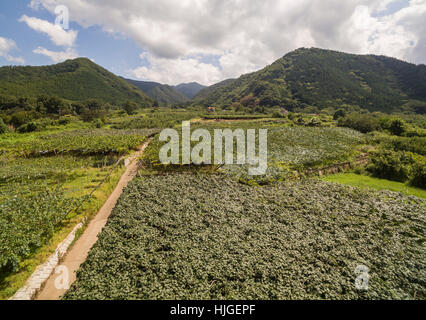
(76, 80)
(164, 94)
(206, 92)
(190, 90)
(324, 78)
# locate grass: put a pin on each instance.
(365, 182)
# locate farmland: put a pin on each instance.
(49, 181)
(290, 148)
(209, 237)
(206, 232)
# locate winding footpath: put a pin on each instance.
(80, 250)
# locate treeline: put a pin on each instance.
(31, 114)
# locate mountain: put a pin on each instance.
(164, 94)
(190, 90)
(209, 90)
(77, 80)
(325, 78)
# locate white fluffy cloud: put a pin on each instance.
(165, 70)
(7, 45)
(57, 34)
(246, 35)
(57, 56)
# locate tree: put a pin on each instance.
(339, 114)
(53, 105)
(397, 127)
(130, 108)
(93, 104)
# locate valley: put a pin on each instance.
(213, 231)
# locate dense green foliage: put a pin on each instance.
(158, 119)
(80, 142)
(27, 220)
(190, 90)
(399, 166)
(324, 78)
(36, 195)
(77, 80)
(164, 94)
(208, 237)
(3, 127)
(206, 92)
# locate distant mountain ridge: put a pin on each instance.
(76, 80)
(168, 95)
(190, 90)
(324, 78)
(164, 94)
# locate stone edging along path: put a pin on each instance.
(41, 285)
(44, 271)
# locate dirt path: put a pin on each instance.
(78, 253)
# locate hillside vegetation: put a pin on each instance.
(163, 94)
(190, 90)
(323, 78)
(76, 80)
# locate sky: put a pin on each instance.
(207, 41)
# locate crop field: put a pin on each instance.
(36, 196)
(80, 142)
(209, 237)
(289, 148)
(46, 180)
(157, 119)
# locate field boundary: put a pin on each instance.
(338, 167)
(43, 272)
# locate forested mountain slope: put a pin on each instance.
(324, 78)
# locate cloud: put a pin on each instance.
(175, 71)
(246, 35)
(57, 34)
(57, 56)
(7, 45)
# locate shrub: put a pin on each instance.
(361, 122)
(418, 178)
(277, 114)
(64, 120)
(3, 127)
(23, 117)
(130, 108)
(339, 114)
(29, 127)
(397, 127)
(392, 165)
(98, 123)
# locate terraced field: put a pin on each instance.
(290, 149)
(209, 237)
